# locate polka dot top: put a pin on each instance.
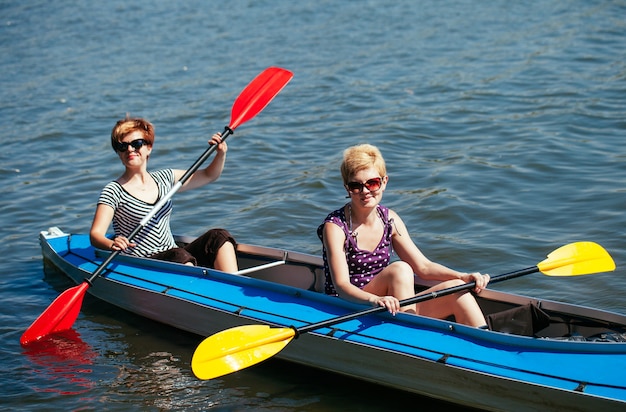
(363, 265)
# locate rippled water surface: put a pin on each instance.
(502, 124)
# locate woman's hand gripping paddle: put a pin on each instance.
(63, 311)
(243, 346)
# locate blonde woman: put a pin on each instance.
(359, 238)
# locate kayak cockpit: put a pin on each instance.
(300, 270)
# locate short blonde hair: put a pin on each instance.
(360, 157)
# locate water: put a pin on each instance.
(502, 124)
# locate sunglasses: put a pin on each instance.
(136, 144)
(372, 185)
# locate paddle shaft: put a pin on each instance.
(227, 131)
(416, 299)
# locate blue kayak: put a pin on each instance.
(576, 362)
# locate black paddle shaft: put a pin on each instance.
(415, 299)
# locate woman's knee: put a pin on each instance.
(401, 271)
(400, 267)
(450, 284)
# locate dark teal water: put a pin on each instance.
(502, 124)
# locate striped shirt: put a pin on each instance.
(156, 236)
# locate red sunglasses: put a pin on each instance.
(372, 185)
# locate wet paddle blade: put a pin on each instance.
(261, 90)
(238, 348)
(59, 316)
(580, 258)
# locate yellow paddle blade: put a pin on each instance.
(580, 258)
(238, 348)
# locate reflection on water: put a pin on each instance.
(64, 362)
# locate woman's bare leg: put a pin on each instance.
(462, 305)
(395, 280)
(226, 259)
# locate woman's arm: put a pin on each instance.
(97, 235)
(212, 172)
(424, 267)
(101, 222)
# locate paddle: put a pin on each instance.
(243, 346)
(63, 311)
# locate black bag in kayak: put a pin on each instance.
(523, 320)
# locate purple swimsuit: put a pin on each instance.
(362, 264)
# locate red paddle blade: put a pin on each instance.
(59, 316)
(258, 94)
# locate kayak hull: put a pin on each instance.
(436, 358)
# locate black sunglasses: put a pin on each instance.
(372, 185)
(123, 146)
